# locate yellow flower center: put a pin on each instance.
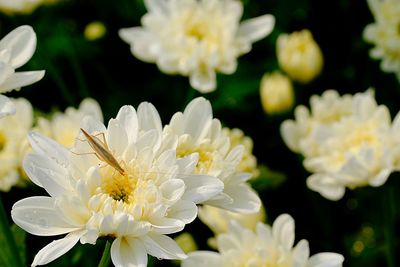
(119, 187)
(3, 141)
(205, 155)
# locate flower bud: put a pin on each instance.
(276, 92)
(299, 56)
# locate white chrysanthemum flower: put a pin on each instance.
(327, 109)
(348, 146)
(195, 38)
(13, 132)
(195, 131)
(64, 127)
(16, 48)
(131, 190)
(299, 55)
(266, 246)
(384, 33)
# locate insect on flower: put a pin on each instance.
(101, 151)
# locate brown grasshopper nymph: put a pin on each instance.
(102, 151)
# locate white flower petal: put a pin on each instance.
(162, 247)
(22, 44)
(57, 248)
(172, 190)
(7, 107)
(326, 259)
(205, 81)
(257, 28)
(245, 199)
(47, 147)
(20, 79)
(47, 173)
(326, 186)
(185, 211)
(166, 225)
(127, 117)
(149, 118)
(157, 6)
(283, 231)
(116, 137)
(5, 72)
(90, 107)
(126, 251)
(38, 216)
(202, 258)
(301, 253)
(197, 118)
(200, 188)
(92, 126)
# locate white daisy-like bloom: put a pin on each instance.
(16, 48)
(266, 246)
(195, 38)
(135, 192)
(345, 147)
(196, 132)
(384, 34)
(13, 132)
(327, 109)
(63, 127)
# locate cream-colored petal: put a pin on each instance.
(301, 252)
(126, 251)
(200, 188)
(162, 247)
(48, 147)
(255, 29)
(90, 107)
(57, 248)
(197, 118)
(47, 174)
(117, 138)
(283, 231)
(7, 107)
(326, 259)
(20, 79)
(185, 211)
(38, 216)
(326, 186)
(245, 199)
(128, 119)
(172, 190)
(149, 118)
(157, 6)
(22, 44)
(205, 81)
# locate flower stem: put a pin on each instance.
(106, 258)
